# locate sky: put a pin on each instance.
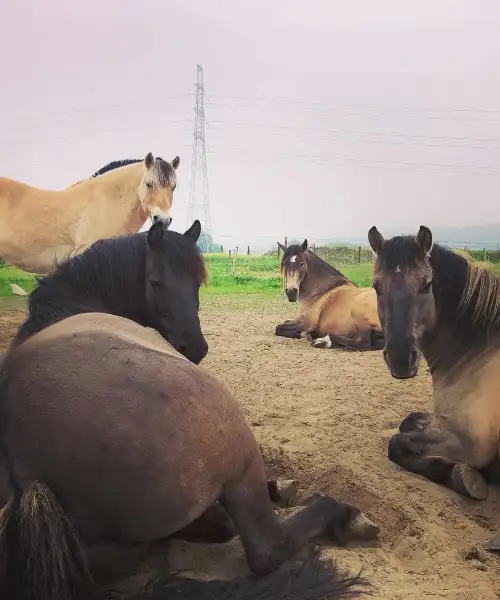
(322, 117)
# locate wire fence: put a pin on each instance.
(231, 267)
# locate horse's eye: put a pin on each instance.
(426, 286)
(156, 283)
(149, 184)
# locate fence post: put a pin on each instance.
(484, 254)
(286, 242)
(278, 245)
(233, 266)
(359, 255)
(229, 253)
(221, 249)
(248, 251)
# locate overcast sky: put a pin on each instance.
(323, 117)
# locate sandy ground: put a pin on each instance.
(324, 417)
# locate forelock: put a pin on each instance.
(400, 252)
(165, 173)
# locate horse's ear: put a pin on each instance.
(175, 162)
(194, 231)
(155, 236)
(375, 239)
(304, 245)
(149, 161)
(281, 247)
(424, 239)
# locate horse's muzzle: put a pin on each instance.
(165, 219)
(292, 294)
(402, 365)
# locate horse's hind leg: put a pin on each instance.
(433, 454)
(215, 526)
(267, 540)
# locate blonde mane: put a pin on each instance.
(481, 295)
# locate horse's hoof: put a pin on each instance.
(469, 482)
(493, 544)
(361, 528)
(283, 492)
(287, 491)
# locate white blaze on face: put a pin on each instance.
(293, 259)
(398, 270)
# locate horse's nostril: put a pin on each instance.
(155, 218)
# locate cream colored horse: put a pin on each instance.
(39, 227)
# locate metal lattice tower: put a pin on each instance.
(199, 207)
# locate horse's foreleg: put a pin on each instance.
(416, 420)
(267, 540)
(432, 453)
(289, 329)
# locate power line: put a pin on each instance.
(365, 133)
(100, 132)
(392, 107)
(102, 107)
(360, 114)
(317, 159)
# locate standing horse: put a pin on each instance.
(333, 311)
(433, 300)
(38, 227)
(111, 439)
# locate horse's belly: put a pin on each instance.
(35, 259)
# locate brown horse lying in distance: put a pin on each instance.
(112, 438)
(435, 301)
(333, 311)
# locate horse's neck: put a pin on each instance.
(454, 340)
(116, 197)
(320, 276)
(64, 302)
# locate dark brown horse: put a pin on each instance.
(141, 277)
(333, 311)
(110, 439)
(433, 300)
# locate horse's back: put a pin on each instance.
(136, 439)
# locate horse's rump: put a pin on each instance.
(136, 440)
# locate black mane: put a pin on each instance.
(116, 164)
(107, 277)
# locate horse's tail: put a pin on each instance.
(41, 557)
(312, 580)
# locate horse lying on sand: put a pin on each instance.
(333, 311)
(111, 439)
(434, 301)
(38, 227)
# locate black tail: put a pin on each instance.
(288, 330)
(313, 580)
(41, 557)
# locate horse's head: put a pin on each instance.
(175, 270)
(156, 190)
(293, 268)
(403, 282)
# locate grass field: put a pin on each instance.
(249, 274)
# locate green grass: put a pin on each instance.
(251, 274)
